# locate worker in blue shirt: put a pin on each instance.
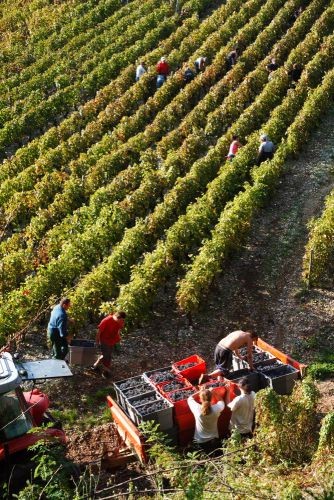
(58, 329)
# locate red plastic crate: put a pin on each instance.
(180, 407)
(234, 389)
(162, 386)
(217, 390)
(185, 422)
(194, 372)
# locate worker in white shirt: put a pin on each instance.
(242, 408)
(200, 64)
(266, 149)
(206, 418)
(140, 70)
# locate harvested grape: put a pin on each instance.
(145, 400)
(137, 390)
(130, 382)
(162, 376)
(173, 386)
(185, 366)
(146, 409)
(277, 371)
(181, 394)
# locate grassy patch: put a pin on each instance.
(71, 418)
(67, 417)
(323, 367)
(99, 396)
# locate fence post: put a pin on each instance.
(310, 266)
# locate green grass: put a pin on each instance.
(323, 367)
(70, 418)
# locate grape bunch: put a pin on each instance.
(145, 400)
(258, 355)
(243, 351)
(213, 385)
(148, 408)
(266, 368)
(279, 371)
(137, 390)
(181, 394)
(130, 382)
(185, 366)
(173, 386)
(163, 376)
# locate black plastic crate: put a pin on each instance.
(282, 378)
(252, 376)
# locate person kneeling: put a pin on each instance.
(242, 408)
(206, 419)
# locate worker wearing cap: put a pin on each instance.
(163, 67)
(58, 329)
(140, 70)
(266, 149)
(108, 335)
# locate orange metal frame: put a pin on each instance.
(128, 431)
(281, 356)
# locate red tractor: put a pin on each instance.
(22, 411)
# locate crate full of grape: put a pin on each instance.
(259, 357)
(130, 387)
(160, 375)
(173, 385)
(160, 411)
(179, 399)
(190, 368)
(142, 399)
(279, 376)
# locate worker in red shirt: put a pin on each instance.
(163, 67)
(108, 335)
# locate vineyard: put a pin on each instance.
(111, 188)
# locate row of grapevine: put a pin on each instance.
(94, 115)
(108, 119)
(318, 265)
(40, 287)
(105, 279)
(78, 18)
(72, 95)
(189, 230)
(221, 118)
(97, 228)
(234, 223)
(77, 120)
(161, 123)
(68, 71)
(87, 216)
